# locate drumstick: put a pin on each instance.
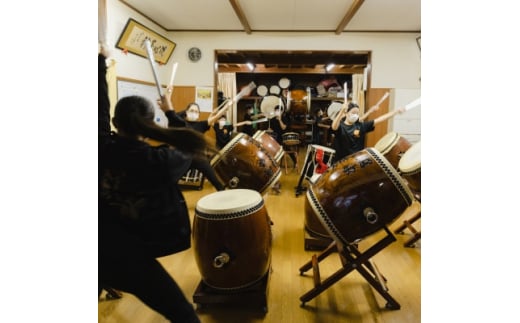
(259, 120)
(245, 91)
(345, 90)
(149, 51)
(174, 70)
(383, 98)
(413, 104)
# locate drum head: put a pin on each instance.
(325, 149)
(384, 144)
(275, 90)
(269, 103)
(333, 109)
(261, 90)
(229, 201)
(284, 82)
(411, 160)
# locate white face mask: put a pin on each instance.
(192, 116)
(222, 123)
(250, 111)
(353, 118)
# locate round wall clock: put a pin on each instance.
(194, 54)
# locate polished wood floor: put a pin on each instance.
(351, 299)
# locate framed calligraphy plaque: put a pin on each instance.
(132, 40)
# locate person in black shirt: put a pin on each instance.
(350, 130)
(191, 120)
(142, 213)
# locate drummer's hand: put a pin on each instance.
(165, 104)
(374, 108)
(169, 91)
(248, 122)
(401, 110)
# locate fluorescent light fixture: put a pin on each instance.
(329, 67)
(251, 66)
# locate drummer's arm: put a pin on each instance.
(249, 122)
(282, 124)
(215, 115)
(388, 115)
(337, 120)
(372, 109)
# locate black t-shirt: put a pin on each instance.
(351, 138)
(274, 124)
(223, 136)
(247, 128)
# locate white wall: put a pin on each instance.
(396, 62)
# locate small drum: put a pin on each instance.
(358, 196)
(333, 109)
(410, 167)
(261, 90)
(232, 239)
(392, 146)
(270, 144)
(291, 138)
(244, 163)
(269, 103)
(317, 160)
(284, 83)
(275, 90)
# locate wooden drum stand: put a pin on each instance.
(410, 243)
(351, 259)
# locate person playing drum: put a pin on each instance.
(142, 213)
(191, 120)
(247, 127)
(350, 130)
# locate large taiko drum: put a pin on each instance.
(392, 146)
(358, 196)
(232, 239)
(311, 221)
(270, 144)
(244, 163)
(410, 167)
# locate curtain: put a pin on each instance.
(358, 95)
(227, 83)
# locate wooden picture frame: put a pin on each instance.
(132, 40)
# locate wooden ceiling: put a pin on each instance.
(254, 16)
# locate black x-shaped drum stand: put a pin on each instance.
(351, 259)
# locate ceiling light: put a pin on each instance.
(329, 67)
(251, 66)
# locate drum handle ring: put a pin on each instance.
(221, 260)
(370, 215)
(234, 182)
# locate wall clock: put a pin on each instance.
(194, 54)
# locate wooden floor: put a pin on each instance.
(351, 299)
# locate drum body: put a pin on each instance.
(358, 196)
(291, 138)
(232, 239)
(298, 105)
(261, 90)
(410, 167)
(270, 144)
(244, 163)
(311, 221)
(392, 146)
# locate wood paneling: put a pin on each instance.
(373, 96)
